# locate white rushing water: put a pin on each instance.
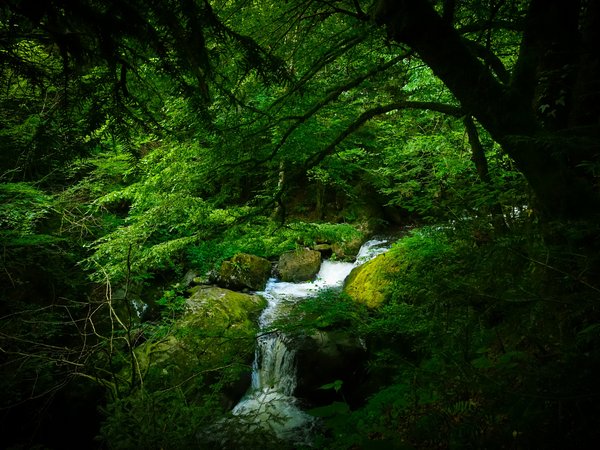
(270, 403)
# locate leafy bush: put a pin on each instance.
(172, 303)
(162, 419)
(22, 208)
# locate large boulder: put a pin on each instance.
(217, 330)
(299, 265)
(369, 283)
(224, 307)
(244, 271)
(329, 356)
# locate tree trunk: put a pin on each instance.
(479, 159)
(550, 153)
(319, 200)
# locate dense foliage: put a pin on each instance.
(471, 360)
(144, 143)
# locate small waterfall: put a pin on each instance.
(276, 368)
(370, 250)
(270, 403)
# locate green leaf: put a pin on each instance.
(336, 385)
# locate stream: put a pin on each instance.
(270, 405)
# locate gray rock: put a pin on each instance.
(244, 271)
(188, 278)
(299, 265)
(347, 250)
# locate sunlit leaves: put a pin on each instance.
(22, 208)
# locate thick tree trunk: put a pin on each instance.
(586, 89)
(550, 156)
(563, 190)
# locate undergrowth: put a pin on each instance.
(482, 344)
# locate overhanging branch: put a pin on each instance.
(443, 49)
(491, 59)
(332, 96)
(336, 50)
(377, 111)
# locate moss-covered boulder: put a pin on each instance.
(369, 284)
(213, 341)
(348, 249)
(224, 308)
(299, 265)
(244, 271)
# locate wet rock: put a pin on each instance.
(347, 250)
(326, 357)
(299, 265)
(244, 271)
(324, 249)
(368, 284)
(218, 329)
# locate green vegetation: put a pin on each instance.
(468, 359)
(145, 143)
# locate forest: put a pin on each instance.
(171, 169)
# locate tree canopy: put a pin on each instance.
(144, 143)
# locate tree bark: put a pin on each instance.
(550, 156)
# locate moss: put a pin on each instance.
(299, 265)
(218, 329)
(369, 284)
(221, 303)
(245, 271)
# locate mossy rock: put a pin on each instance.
(215, 307)
(368, 284)
(347, 250)
(245, 271)
(324, 249)
(218, 330)
(299, 265)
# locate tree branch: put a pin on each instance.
(333, 95)
(336, 50)
(490, 58)
(511, 25)
(300, 119)
(377, 111)
(443, 49)
(359, 12)
(543, 67)
(477, 151)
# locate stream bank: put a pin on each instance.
(277, 399)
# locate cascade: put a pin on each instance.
(270, 404)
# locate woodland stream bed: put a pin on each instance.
(270, 404)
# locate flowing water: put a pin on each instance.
(269, 404)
